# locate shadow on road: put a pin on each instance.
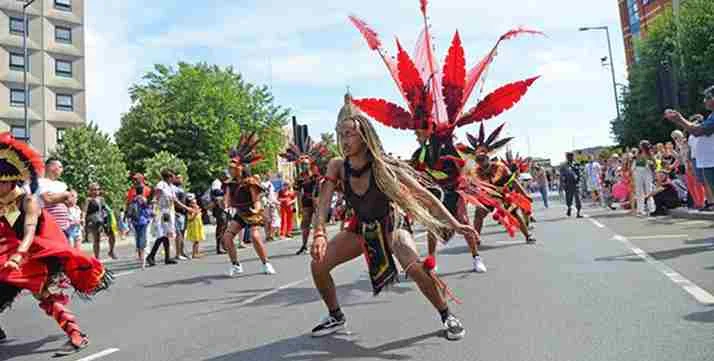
(9, 349)
(353, 294)
(660, 255)
(305, 347)
(483, 247)
(704, 316)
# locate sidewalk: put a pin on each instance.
(691, 214)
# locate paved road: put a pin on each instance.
(584, 292)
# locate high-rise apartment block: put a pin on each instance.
(55, 68)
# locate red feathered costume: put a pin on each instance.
(44, 264)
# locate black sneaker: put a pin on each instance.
(170, 261)
(530, 239)
(454, 329)
(328, 326)
(568, 213)
(3, 336)
(70, 347)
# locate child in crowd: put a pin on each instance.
(194, 228)
(74, 232)
(140, 214)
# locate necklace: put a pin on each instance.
(358, 172)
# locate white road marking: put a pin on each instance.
(693, 223)
(701, 295)
(97, 355)
(120, 274)
(596, 223)
(271, 292)
(658, 236)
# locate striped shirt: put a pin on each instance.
(58, 211)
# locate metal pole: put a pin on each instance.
(25, 26)
(612, 70)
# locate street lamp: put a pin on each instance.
(612, 66)
(26, 91)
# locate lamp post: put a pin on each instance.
(26, 91)
(612, 66)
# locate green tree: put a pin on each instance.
(88, 156)
(165, 160)
(197, 112)
(328, 139)
(696, 46)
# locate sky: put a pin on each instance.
(308, 53)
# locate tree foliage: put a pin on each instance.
(197, 112)
(686, 45)
(165, 160)
(88, 156)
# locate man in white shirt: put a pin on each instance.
(54, 194)
(165, 222)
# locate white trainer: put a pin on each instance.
(235, 270)
(268, 269)
(479, 266)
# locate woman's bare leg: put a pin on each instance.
(258, 245)
(344, 247)
(232, 229)
(404, 249)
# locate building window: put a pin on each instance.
(18, 132)
(63, 5)
(17, 61)
(60, 134)
(63, 68)
(17, 97)
(65, 102)
(63, 34)
(17, 25)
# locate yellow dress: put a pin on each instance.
(194, 229)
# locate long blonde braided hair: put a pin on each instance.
(391, 175)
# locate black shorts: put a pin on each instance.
(247, 219)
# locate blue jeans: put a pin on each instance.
(140, 232)
(544, 193)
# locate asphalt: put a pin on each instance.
(580, 293)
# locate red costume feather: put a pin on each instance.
(454, 78)
(387, 113)
(497, 102)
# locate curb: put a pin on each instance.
(691, 214)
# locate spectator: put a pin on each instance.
(181, 213)
(165, 222)
(704, 150)
(609, 180)
(138, 184)
(570, 179)
(194, 230)
(74, 232)
(665, 195)
(592, 171)
(695, 189)
(97, 220)
(541, 180)
(54, 194)
(693, 141)
(271, 210)
(288, 199)
(217, 205)
(644, 165)
(140, 214)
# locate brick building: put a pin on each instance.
(635, 16)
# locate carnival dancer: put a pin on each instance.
(306, 155)
(513, 206)
(34, 254)
(378, 188)
(242, 193)
(436, 100)
(519, 165)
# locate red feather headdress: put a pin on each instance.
(436, 97)
(245, 153)
(516, 164)
(18, 161)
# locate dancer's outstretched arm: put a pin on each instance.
(319, 244)
(435, 206)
